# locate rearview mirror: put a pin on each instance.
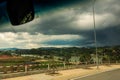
(20, 11)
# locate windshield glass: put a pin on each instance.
(65, 38)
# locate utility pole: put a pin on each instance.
(94, 23)
(64, 62)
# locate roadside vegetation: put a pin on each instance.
(46, 58)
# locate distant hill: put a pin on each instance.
(6, 49)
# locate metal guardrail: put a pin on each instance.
(22, 70)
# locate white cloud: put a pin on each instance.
(7, 36)
(85, 21)
(26, 40)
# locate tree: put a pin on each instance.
(53, 66)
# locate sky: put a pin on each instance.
(63, 23)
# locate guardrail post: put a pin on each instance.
(48, 66)
(64, 65)
(26, 67)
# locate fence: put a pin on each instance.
(38, 68)
(33, 67)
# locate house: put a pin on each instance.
(74, 59)
(30, 55)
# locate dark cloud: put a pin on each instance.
(108, 36)
(75, 19)
(47, 5)
(3, 13)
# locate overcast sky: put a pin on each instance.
(64, 24)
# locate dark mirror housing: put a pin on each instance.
(20, 11)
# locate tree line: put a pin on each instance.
(109, 53)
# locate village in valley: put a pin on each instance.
(54, 59)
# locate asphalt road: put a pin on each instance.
(109, 75)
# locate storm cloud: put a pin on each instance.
(64, 20)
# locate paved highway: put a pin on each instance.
(109, 75)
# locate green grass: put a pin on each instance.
(22, 61)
